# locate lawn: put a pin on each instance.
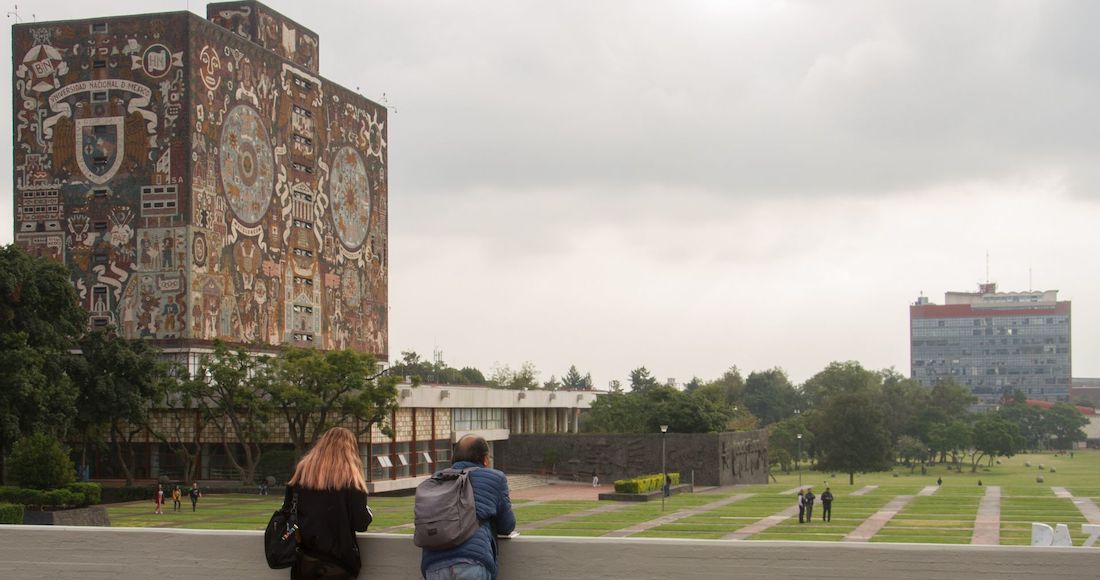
(946, 516)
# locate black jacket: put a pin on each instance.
(329, 520)
(827, 498)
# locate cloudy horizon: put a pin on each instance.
(698, 185)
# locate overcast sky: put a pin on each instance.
(694, 185)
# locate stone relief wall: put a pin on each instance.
(290, 203)
(199, 186)
(100, 164)
(716, 458)
(269, 29)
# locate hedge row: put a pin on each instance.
(11, 513)
(74, 494)
(644, 483)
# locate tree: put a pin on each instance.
(40, 320)
(910, 450)
(853, 436)
(118, 380)
(234, 398)
(1029, 421)
(472, 376)
(770, 396)
(641, 381)
(953, 438)
(181, 426)
(316, 390)
(684, 413)
(618, 413)
(526, 378)
(993, 436)
(783, 435)
(1063, 425)
(573, 381)
(552, 384)
(906, 401)
(836, 379)
(951, 399)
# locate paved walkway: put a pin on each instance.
(763, 524)
(876, 522)
(608, 507)
(929, 490)
(987, 526)
(865, 490)
(1085, 505)
(643, 526)
(790, 491)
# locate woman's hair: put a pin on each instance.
(332, 464)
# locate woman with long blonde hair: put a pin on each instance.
(332, 506)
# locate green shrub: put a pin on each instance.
(645, 483)
(91, 492)
(11, 513)
(39, 462)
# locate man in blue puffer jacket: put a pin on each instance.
(476, 559)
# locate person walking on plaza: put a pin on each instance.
(808, 500)
(475, 559)
(827, 506)
(595, 479)
(800, 502)
(176, 495)
(158, 499)
(331, 496)
(194, 494)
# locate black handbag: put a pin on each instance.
(282, 536)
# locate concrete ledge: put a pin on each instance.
(89, 516)
(40, 553)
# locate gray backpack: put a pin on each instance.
(445, 515)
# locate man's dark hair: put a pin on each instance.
(471, 448)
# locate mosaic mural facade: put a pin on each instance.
(199, 185)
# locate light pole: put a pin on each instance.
(797, 460)
(664, 471)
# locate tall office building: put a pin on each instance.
(994, 342)
(202, 181)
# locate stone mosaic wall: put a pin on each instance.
(198, 185)
(716, 458)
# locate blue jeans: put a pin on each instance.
(460, 571)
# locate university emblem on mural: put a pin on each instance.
(100, 147)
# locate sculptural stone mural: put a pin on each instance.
(715, 458)
(202, 181)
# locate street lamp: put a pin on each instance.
(664, 471)
(797, 460)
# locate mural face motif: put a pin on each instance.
(350, 197)
(247, 163)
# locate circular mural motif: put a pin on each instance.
(350, 197)
(247, 163)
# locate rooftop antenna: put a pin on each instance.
(1030, 286)
(987, 266)
(14, 13)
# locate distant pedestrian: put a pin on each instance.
(668, 486)
(176, 495)
(158, 499)
(939, 481)
(808, 499)
(827, 505)
(195, 494)
(595, 479)
(979, 483)
(801, 507)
